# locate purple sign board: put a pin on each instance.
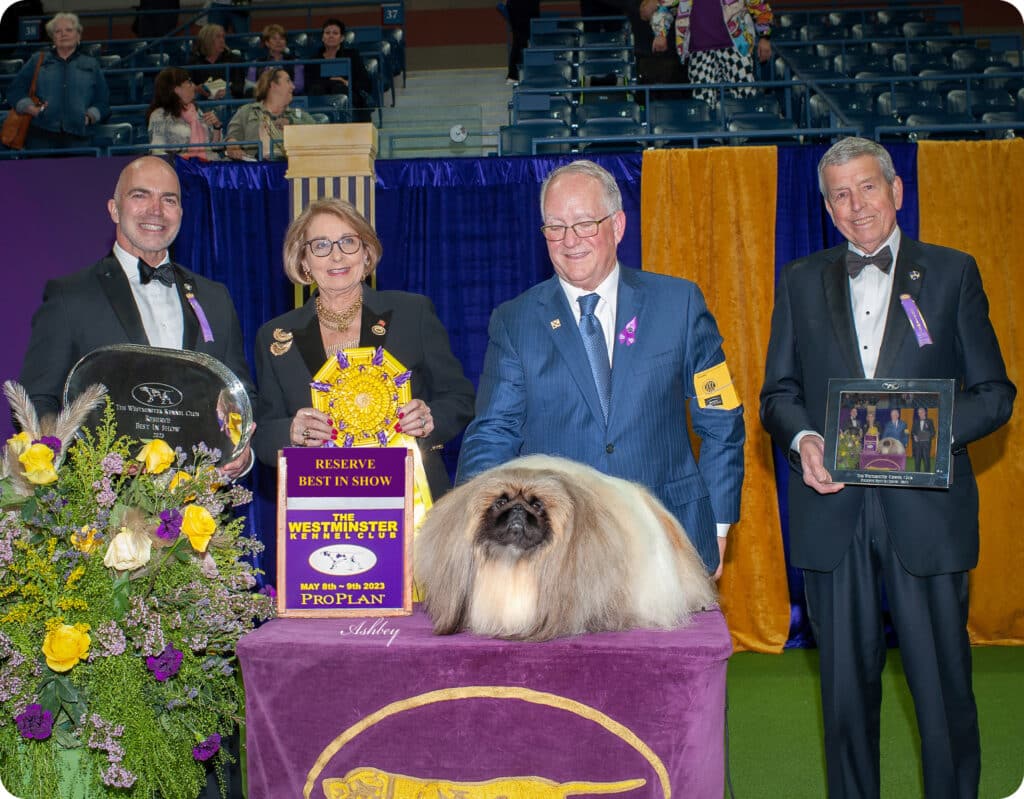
(344, 531)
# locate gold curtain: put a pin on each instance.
(709, 216)
(970, 198)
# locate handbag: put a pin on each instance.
(15, 128)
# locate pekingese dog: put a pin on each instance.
(543, 547)
(891, 446)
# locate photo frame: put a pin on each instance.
(890, 432)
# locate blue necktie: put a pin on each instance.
(597, 349)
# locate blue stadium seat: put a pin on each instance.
(904, 102)
(917, 29)
(1014, 124)
(118, 133)
(518, 139)
(913, 63)
(852, 63)
(112, 61)
(555, 39)
(979, 101)
(553, 76)
(611, 127)
(754, 107)
(299, 44)
(677, 113)
(11, 66)
(590, 111)
(846, 101)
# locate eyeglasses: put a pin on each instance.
(321, 248)
(582, 230)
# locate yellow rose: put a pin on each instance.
(85, 539)
(38, 463)
(199, 526)
(129, 550)
(65, 645)
(156, 455)
(179, 478)
(19, 443)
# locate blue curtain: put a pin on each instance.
(233, 231)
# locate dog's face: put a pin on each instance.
(517, 520)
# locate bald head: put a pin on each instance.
(146, 208)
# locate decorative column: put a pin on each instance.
(331, 161)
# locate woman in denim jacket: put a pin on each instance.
(71, 90)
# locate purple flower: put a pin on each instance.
(269, 590)
(207, 748)
(51, 441)
(170, 524)
(112, 463)
(35, 722)
(166, 664)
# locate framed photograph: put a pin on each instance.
(889, 432)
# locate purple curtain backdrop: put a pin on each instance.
(56, 222)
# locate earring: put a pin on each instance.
(307, 274)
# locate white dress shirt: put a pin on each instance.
(159, 305)
(870, 293)
(608, 291)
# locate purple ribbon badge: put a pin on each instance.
(628, 334)
(204, 323)
(916, 320)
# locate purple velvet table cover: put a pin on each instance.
(467, 709)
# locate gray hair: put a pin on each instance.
(845, 150)
(63, 15)
(609, 188)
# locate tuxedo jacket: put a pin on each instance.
(813, 339)
(290, 350)
(95, 308)
(923, 432)
(537, 395)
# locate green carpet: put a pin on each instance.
(775, 739)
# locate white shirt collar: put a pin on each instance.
(130, 263)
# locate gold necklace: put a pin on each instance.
(338, 321)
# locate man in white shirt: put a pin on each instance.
(882, 305)
(134, 295)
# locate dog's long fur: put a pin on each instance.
(611, 557)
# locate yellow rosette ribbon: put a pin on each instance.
(361, 389)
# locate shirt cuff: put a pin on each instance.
(795, 444)
(723, 529)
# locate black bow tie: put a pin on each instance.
(855, 263)
(163, 273)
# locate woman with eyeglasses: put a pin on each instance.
(175, 121)
(332, 246)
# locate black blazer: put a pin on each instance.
(813, 338)
(289, 351)
(95, 307)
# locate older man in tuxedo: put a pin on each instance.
(599, 363)
(134, 295)
(884, 306)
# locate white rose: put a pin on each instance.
(129, 550)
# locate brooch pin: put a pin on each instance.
(627, 335)
(380, 328)
(282, 341)
(915, 275)
(556, 323)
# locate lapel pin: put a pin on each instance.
(915, 275)
(556, 323)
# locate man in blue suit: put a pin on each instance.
(896, 427)
(655, 349)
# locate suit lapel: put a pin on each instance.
(909, 278)
(119, 294)
(374, 329)
(836, 284)
(559, 324)
(630, 306)
(190, 333)
(308, 341)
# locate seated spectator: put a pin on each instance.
(209, 51)
(332, 36)
(277, 51)
(264, 120)
(71, 92)
(175, 121)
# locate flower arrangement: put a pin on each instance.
(123, 591)
(848, 450)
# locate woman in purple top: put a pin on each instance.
(718, 37)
